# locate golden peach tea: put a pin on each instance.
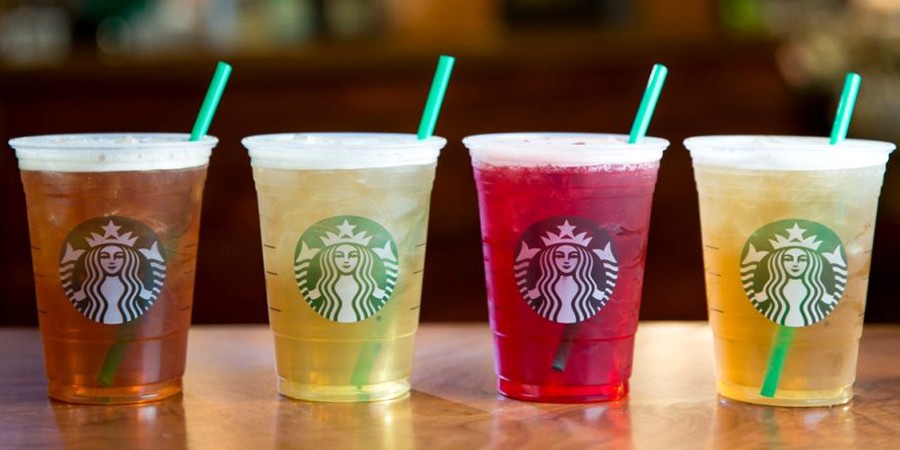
(114, 223)
(787, 226)
(343, 219)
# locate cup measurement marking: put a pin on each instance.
(269, 272)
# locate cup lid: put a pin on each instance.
(111, 152)
(562, 149)
(761, 152)
(341, 150)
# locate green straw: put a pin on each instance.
(211, 101)
(648, 103)
(845, 108)
(435, 96)
(116, 352)
(784, 336)
(369, 353)
(638, 131)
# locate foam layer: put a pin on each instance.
(562, 149)
(113, 152)
(786, 152)
(341, 150)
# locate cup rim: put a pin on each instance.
(357, 140)
(341, 150)
(758, 142)
(606, 141)
(107, 141)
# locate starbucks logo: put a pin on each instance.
(566, 268)
(794, 271)
(112, 269)
(346, 267)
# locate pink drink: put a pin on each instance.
(564, 250)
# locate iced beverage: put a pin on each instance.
(343, 219)
(113, 221)
(787, 226)
(564, 220)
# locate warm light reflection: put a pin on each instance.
(606, 425)
(372, 426)
(133, 427)
(737, 424)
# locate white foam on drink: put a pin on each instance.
(563, 150)
(112, 152)
(322, 151)
(786, 152)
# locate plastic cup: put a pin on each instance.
(113, 220)
(343, 218)
(564, 220)
(787, 226)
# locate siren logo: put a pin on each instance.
(112, 269)
(566, 268)
(346, 267)
(794, 271)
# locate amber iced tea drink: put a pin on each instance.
(114, 222)
(343, 218)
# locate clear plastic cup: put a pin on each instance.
(787, 225)
(343, 218)
(564, 220)
(114, 221)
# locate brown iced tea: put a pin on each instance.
(114, 254)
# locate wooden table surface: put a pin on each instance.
(230, 401)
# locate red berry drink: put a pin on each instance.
(564, 220)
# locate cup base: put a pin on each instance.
(563, 394)
(343, 394)
(783, 397)
(120, 395)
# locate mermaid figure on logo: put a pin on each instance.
(347, 283)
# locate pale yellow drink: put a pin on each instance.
(318, 191)
(785, 193)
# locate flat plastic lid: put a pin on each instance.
(341, 150)
(786, 152)
(111, 152)
(562, 149)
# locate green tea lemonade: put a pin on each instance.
(787, 225)
(114, 222)
(343, 218)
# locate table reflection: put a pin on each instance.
(606, 425)
(737, 424)
(135, 427)
(375, 425)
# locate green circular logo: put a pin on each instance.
(346, 267)
(794, 271)
(112, 269)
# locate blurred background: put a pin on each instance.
(736, 66)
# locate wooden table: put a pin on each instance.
(230, 401)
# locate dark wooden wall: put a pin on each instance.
(533, 84)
